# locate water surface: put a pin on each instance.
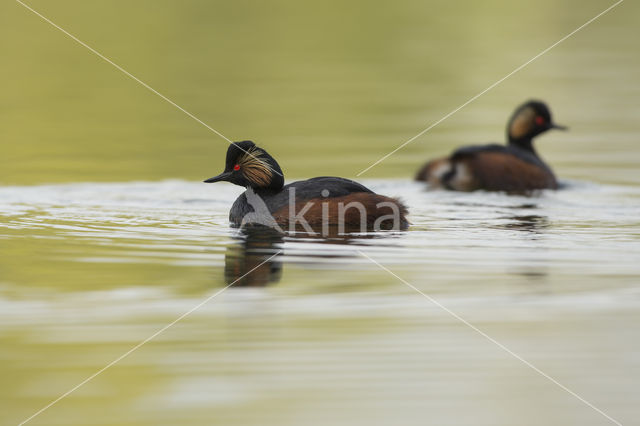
(319, 332)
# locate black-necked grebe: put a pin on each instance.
(312, 203)
(513, 168)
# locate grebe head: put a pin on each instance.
(251, 167)
(528, 121)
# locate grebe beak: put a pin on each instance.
(558, 127)
(220, 178)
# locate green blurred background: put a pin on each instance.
(327, 87)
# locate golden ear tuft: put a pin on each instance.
(522, 123)
(255, 168)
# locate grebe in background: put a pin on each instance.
(515, 168)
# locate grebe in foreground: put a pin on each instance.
(514, 168)
(308, 204)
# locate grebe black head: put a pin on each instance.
(251, 167)
(528, 121)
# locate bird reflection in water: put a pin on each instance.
(531, 223)
(528, 223)
(244, 262)
(522, 219)
(255, 258)
(533, 227)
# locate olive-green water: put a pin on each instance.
(107, 234)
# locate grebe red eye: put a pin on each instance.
(539, 120)
(236, 167)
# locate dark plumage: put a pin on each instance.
(321, 201)
(515, 168)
